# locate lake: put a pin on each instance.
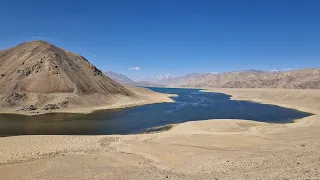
(190, 105)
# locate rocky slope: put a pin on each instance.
(40, 76)
(41, 67)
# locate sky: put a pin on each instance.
(141, 38)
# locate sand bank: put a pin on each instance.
(211, 149)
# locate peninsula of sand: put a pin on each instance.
(209, 149)
(37, 77)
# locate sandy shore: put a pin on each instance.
(211, 149)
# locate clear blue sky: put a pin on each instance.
(172, 36)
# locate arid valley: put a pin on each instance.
(156, 90)
(222, 148)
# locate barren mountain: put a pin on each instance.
(147, 84)
(38, 75)
(169, 80)
(297, 79)
(41, 67)
(161, 79)
(120, 78)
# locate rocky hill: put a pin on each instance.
(40, 76)
(41, 67)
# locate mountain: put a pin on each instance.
(41, 67)
(40, 76)
(120, 78)
(296, 79)
(157, 79)
(169, 80)
(147, 84)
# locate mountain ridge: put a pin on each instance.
(292, 79)
(123, 79)
(120, 78)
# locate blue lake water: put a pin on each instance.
(190, 105)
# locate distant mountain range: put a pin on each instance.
(123, 79)
(158, 78)
(120, 78)
(169, 80)
(296, 79)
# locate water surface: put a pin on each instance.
(190, 105)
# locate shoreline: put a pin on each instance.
(206, 149)
(159, 98)
(245, 94)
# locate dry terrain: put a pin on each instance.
(211, 149)
(290, 79)
(37, 77)
(293, 79)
